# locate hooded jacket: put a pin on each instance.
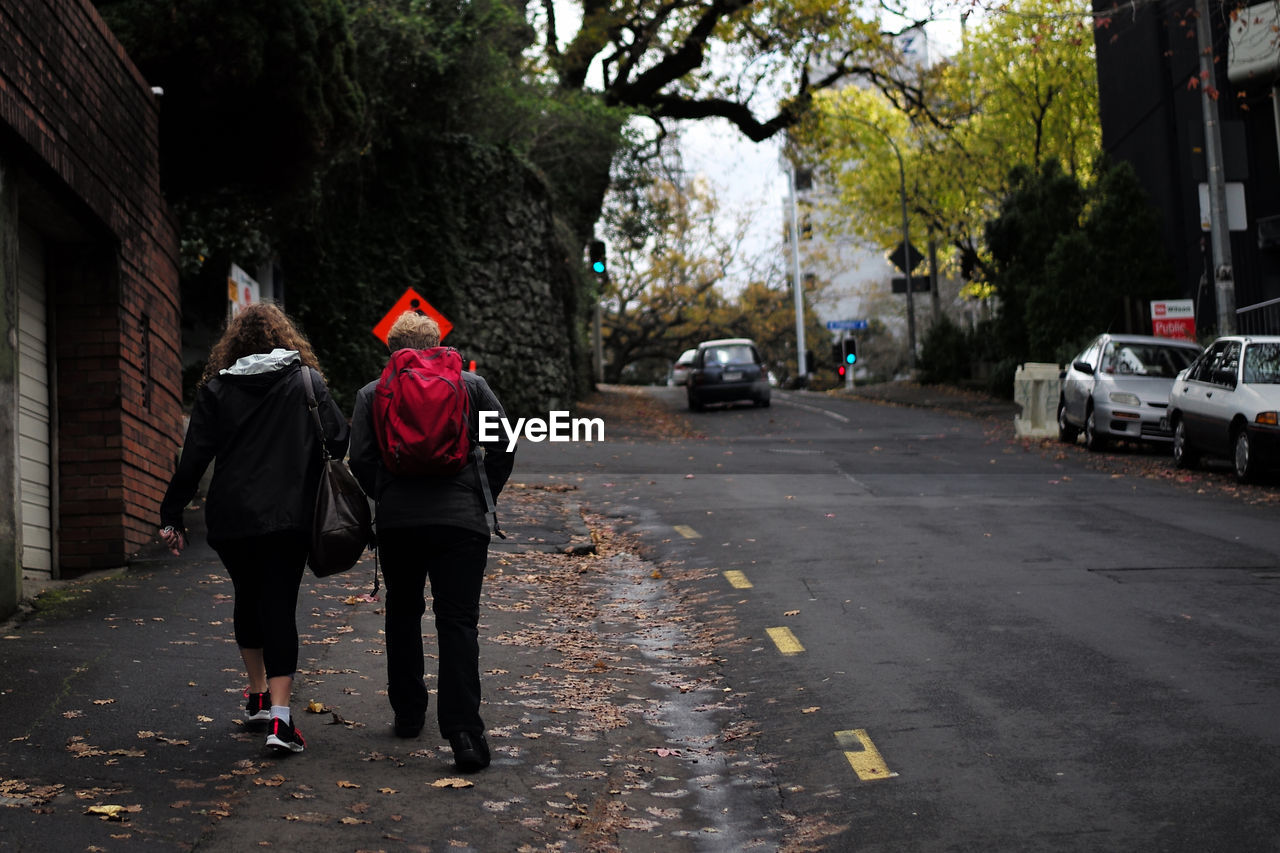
(254, 420)
(455, 501)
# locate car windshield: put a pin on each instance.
(733, 354)
(1159, 360)
(1262, 364)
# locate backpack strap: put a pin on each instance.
(315, 410)
(490, 511)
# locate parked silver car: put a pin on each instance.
(1228, 403)
(1118, 387)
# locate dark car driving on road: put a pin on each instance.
(727, 370)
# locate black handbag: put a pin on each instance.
(342, 527)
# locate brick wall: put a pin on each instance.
(87, 123)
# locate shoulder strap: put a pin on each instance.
(490, 511)
(315, 410)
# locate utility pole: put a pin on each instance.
(1219, 228)
(797, 286)
(906, 235)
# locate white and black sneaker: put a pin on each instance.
(257, 709)
(284, 737)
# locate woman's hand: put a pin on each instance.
(173, 539)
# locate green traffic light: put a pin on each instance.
(851, 357)
(598, 266)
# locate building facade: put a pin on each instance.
(90, 384)
(1151, 103)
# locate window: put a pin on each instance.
(735, 354)
(1208, 363)
(1262, 364)
(1090, 354)
(1146, 360)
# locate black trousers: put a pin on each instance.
(266, 572)
(453, 559)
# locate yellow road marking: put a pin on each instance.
(687, 532)
(862, 755)
(785, 640)
(737, 579)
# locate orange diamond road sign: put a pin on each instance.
(411, 301)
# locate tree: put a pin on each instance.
(654, 59)
(1069, 259)
(1022, 89)
(664, 272)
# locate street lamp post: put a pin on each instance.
(802, 369)
(906, 234)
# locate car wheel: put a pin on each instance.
(1183, 454)
(1092, 439)
(1246, 466)
(1067, 433)
(762, 402)
(695, 405)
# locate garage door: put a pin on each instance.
(35, 481)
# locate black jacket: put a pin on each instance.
(455, 501)
(268, 453)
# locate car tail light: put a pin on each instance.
(1267, 418)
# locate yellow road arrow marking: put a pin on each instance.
(687, 532)
(737, 579)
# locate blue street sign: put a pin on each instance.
(856, 325)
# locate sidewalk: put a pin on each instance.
(120, 713)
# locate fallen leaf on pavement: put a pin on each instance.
(452, 782)
(113, 812)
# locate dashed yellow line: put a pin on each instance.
(862, 755)
(785, 640)
(737, 579)
(687, 532)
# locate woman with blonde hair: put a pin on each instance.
(251, 414)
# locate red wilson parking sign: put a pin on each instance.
(1174, 318)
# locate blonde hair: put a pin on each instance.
(412, 330)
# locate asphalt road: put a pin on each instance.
(946, 640)
(827, 625)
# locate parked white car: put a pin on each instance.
(1118, 387)
(1228, 404)
(679, 374)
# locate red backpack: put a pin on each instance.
(422, 412)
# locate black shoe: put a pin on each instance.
(470, 751)
(409, 725)
(284, 737)
(257, 709)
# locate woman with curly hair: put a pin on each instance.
(251, 415)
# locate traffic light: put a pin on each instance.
(598, 267)
(845, 352)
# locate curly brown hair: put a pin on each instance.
(258, 328)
